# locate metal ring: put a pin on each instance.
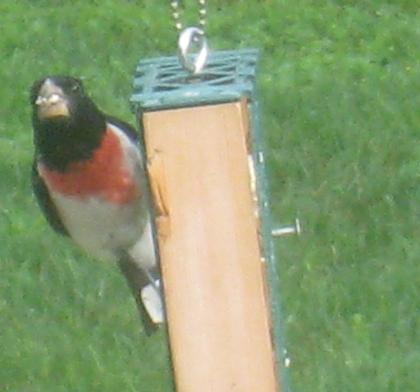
(188, 38)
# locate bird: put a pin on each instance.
(90, 183)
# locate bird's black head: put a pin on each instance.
(67, 124)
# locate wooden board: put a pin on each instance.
(217, 309)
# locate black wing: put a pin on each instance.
(45, 203)
(136, 280)
(123, 126)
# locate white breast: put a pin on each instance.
(99, 227)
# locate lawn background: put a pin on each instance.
(339, 84)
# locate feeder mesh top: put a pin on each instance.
(162, 82)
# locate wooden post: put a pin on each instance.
(208, 234)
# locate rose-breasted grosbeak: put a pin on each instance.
(90, 183)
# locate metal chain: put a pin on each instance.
(177, 13)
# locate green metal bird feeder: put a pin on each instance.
(206, 163)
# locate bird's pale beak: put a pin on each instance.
(51, 101)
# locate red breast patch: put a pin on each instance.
(104, 175)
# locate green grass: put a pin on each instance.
(339, 82)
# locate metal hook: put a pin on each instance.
(189, 38)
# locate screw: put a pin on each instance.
(285, 230)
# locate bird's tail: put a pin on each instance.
(145, 286)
